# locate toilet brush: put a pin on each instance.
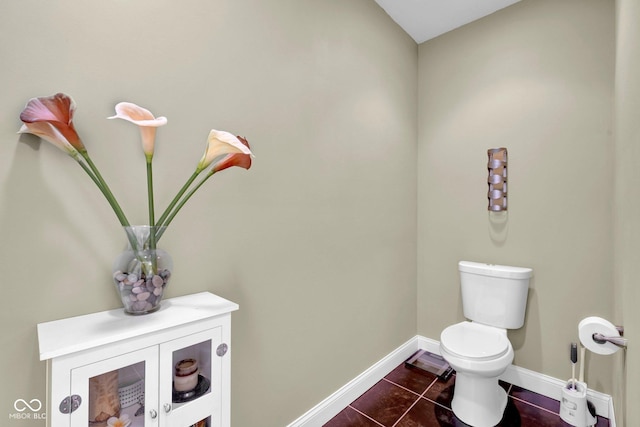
(575, 409)
(582, 356)
(574, 360)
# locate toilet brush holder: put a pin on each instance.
(575, 409)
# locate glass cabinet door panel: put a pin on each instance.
(202, 423)
(190, 372)
(121, 387)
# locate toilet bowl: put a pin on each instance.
(479, 354)
(494, 299)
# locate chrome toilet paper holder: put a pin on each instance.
(599, 338)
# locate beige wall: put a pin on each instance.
(317, 242)
(627, 206)
(537, 78)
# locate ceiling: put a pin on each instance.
(426, 19)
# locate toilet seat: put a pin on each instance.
(475, 341)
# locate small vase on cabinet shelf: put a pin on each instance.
(141, 273)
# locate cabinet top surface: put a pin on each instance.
(66, 336)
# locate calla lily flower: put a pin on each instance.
(122, 421)
(49, 133)
(147, 124)
(236, 159)
(51, 118)
(144, 119)
(220, 142)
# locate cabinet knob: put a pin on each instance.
(167, 407)
(222, 349)
(70, 404)
(153, 414)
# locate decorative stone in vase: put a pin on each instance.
(141, 273)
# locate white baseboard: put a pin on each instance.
(332, 405)
(552, 387)
(521, 377)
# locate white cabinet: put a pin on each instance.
(111, 358)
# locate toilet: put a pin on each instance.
(494, 299)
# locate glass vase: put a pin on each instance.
(141, 273)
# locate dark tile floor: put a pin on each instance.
(411, 398)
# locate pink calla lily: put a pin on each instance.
(51, 118)
(219, 143)
(144, 119)
(50, 134)
(236, 159)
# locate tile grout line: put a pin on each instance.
(509, 393)
(433, 401)
(534, 405)
(407, 411)
(409, 390)
(365, 415)
(436, 403)
(509, 390)
(419, 396)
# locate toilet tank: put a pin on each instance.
(494, 295)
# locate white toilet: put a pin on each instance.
(494, 298)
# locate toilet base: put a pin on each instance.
(478, 401)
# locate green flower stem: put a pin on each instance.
(152, 230)
(96, 182)
(162, 221)
(91, 169)
(182, 202)
(106, 191)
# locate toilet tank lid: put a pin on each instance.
(495, 270)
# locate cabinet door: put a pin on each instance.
(127, 384)
(187, 397)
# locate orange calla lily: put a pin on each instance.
(144, 119)
(51, 118)
(221, 142)
(236, 159)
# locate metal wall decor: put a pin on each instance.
(497, 180)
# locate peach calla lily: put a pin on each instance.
(221, 142)
(51, 118)
(147, 123)
(144, 119)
